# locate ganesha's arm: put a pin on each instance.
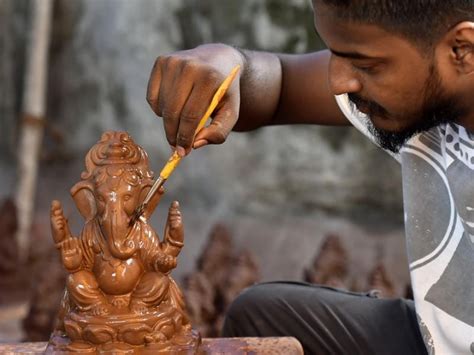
(59, 225)
(87, 244)
(174, 231)
(77, 253)
(151, 247)
(154, 255)
(71, 254)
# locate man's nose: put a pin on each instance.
(342, 78)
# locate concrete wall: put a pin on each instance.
(101, 55)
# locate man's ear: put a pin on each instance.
(461, 41)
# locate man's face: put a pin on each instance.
(386, 77)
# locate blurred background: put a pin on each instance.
(318, 204)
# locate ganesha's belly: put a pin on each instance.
(118, 277)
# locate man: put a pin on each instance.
(401, 71)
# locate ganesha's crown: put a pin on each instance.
(116, 148)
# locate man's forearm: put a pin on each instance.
(286, 89)
(260, 88)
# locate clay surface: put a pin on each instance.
(119, 297)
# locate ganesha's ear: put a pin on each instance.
(83, 196)
(153, 202)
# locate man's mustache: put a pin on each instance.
(373, 108)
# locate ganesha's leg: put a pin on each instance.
(150, 291)
(85, 293)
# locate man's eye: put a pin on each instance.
(127, 197)
(369, 69)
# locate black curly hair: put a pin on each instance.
(421, 21)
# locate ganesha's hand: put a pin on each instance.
(165, 262)
(59, 225)
(71, 254)
(175, 230)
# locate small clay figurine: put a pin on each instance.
(330, 265)
(222, 273)
(381, 281)
(119, 293)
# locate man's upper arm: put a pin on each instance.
(305, 96)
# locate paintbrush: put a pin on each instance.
(175, 159)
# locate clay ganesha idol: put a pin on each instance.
(119, 292)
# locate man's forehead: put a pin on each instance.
(355, 39)
(328, 22)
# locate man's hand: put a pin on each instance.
(181, 87)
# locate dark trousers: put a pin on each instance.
(326, 320)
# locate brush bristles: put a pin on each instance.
(138, 212)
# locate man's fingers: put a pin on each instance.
(220, 127)
(200, 143)
(195, 108)
(153, 90)
(180, 89)
(174, 101)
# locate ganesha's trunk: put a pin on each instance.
(117, 237)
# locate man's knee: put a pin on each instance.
(246, 310)
(270, 304)
(252, 298)
(262, 308)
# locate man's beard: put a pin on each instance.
(438, 108)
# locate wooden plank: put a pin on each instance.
(22, 348)
(231, 346)
(237, 346)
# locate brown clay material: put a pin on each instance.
(380, 280)
(120, 297)
(222, 273)
(330, 264)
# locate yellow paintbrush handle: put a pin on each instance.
(174, 160)
(217, 97)
(171, 164)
